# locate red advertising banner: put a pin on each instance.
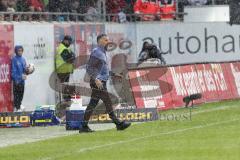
(165, 87)
(233, 72)
(6, 50)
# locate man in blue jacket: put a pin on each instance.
(98, 70)
(18, 77)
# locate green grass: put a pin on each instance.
(212, 133)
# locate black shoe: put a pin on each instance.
(85, 129)
(123, 125)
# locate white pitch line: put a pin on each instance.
(145, 137)
(166, 133)
(194, 112)
(214, 109)
(35, 139)
(156, 135)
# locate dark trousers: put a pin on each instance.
(96, 95)
(18, 92)
(64, 77)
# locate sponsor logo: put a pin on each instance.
(205, 42)
(140, 116)
(14, 119)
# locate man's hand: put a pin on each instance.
(24, 76)
(99, 83)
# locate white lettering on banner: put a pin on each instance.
(190, 80)
(236, 74)
(178, 82)
(219, 77)
(4, 73)
(199, 81)
(196, 80)
(204, 43)
(187, 80)
(209, 80)
(150, 90)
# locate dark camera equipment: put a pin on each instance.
(191, 98)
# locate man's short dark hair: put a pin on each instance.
(100, 36)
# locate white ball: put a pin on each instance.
(30, 68)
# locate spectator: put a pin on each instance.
(166, 1)
(129, 7)
(3, 5)
(65, 6)
(74, 7)
(8, 6)
(84, 5)
(180, 6)
(92, 13)
(22, 6)
(148, 9)
(58, 6)
(3, 8)
(197, 2)
(220, 2)
(36, 5)
(168, 9)
(11, 6)
(122, 18)
(113, 7)
(45, 4)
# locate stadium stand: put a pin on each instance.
(97, 10)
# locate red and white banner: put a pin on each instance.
(6, 50)
(165, 87)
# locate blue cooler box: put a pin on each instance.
(74, 119)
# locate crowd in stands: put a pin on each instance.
(120, 10)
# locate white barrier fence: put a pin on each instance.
(182, 43)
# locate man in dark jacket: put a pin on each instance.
(98, 70)
(18, 77)
(150, 51)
